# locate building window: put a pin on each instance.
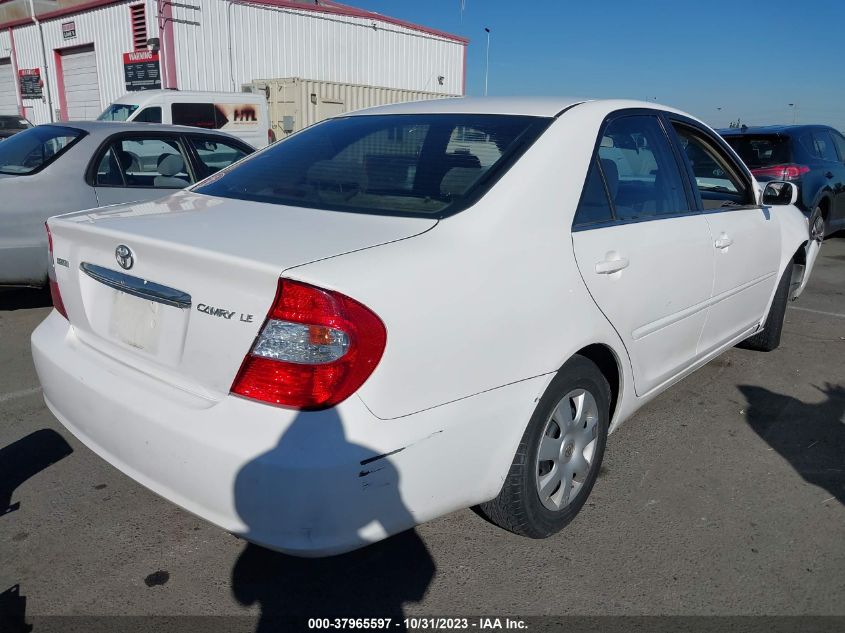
(138, 16)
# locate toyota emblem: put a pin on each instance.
(124, 256)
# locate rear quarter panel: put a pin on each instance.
(490, 296)
(27, 201)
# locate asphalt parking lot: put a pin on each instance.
(726, 495)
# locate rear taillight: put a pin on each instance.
(316, 348)
(55, 295)
(271, 136)
(781, 172)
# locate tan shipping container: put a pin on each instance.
(296, 103)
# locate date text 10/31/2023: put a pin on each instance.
(420, 624)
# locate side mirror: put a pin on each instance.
(779, 193)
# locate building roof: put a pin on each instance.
(336, 8)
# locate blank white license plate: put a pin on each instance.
(136, 321)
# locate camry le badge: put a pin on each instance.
(124, 256)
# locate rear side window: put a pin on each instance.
(33, 149)
(640, 170)
(195, 115)
(215, 116)
(839, 141)
(595, 205)
(820, 144)
(426, 164)
(717, 177)
(761, 150)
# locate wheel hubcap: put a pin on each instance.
(567, 448)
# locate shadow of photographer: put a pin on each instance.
(25, 458)
(811, 437)
(373, 582)
(19, 461)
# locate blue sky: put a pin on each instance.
(751, 58)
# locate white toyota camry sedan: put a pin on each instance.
(412, 309)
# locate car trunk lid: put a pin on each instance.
(197, 277)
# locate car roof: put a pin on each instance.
(530, 106)
(786, 130)
(520, 106)
(146, 95)
(111, 127)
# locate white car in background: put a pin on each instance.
(366, 326)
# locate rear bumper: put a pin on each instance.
(308, 484)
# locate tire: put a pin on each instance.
(818, 226)
(519, 507)
(768, 339)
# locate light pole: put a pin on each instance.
(487, 64)
(794, 107)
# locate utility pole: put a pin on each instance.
(487, 64)
(46, 78)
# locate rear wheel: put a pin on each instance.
(558, 459)
(818, 226)
(768, 339)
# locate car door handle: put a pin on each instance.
(723, 242)
(610, 266)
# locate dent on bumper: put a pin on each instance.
(306, 483)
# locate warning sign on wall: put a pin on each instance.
(68, 30)
(141, 70)
(30, 82)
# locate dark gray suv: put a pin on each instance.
(813, 156)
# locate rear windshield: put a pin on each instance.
(13, 123)
(117, 112)
(420, 165)
(762, 150)
(33, 149)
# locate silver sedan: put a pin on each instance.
(52, 169)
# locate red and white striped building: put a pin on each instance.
(75, 54)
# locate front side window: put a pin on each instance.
(143, 162)
(151, 114)
(412, 164)
(33, 149)
(717, 177)
(215, 153)
(117, 112)
(640, 170)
